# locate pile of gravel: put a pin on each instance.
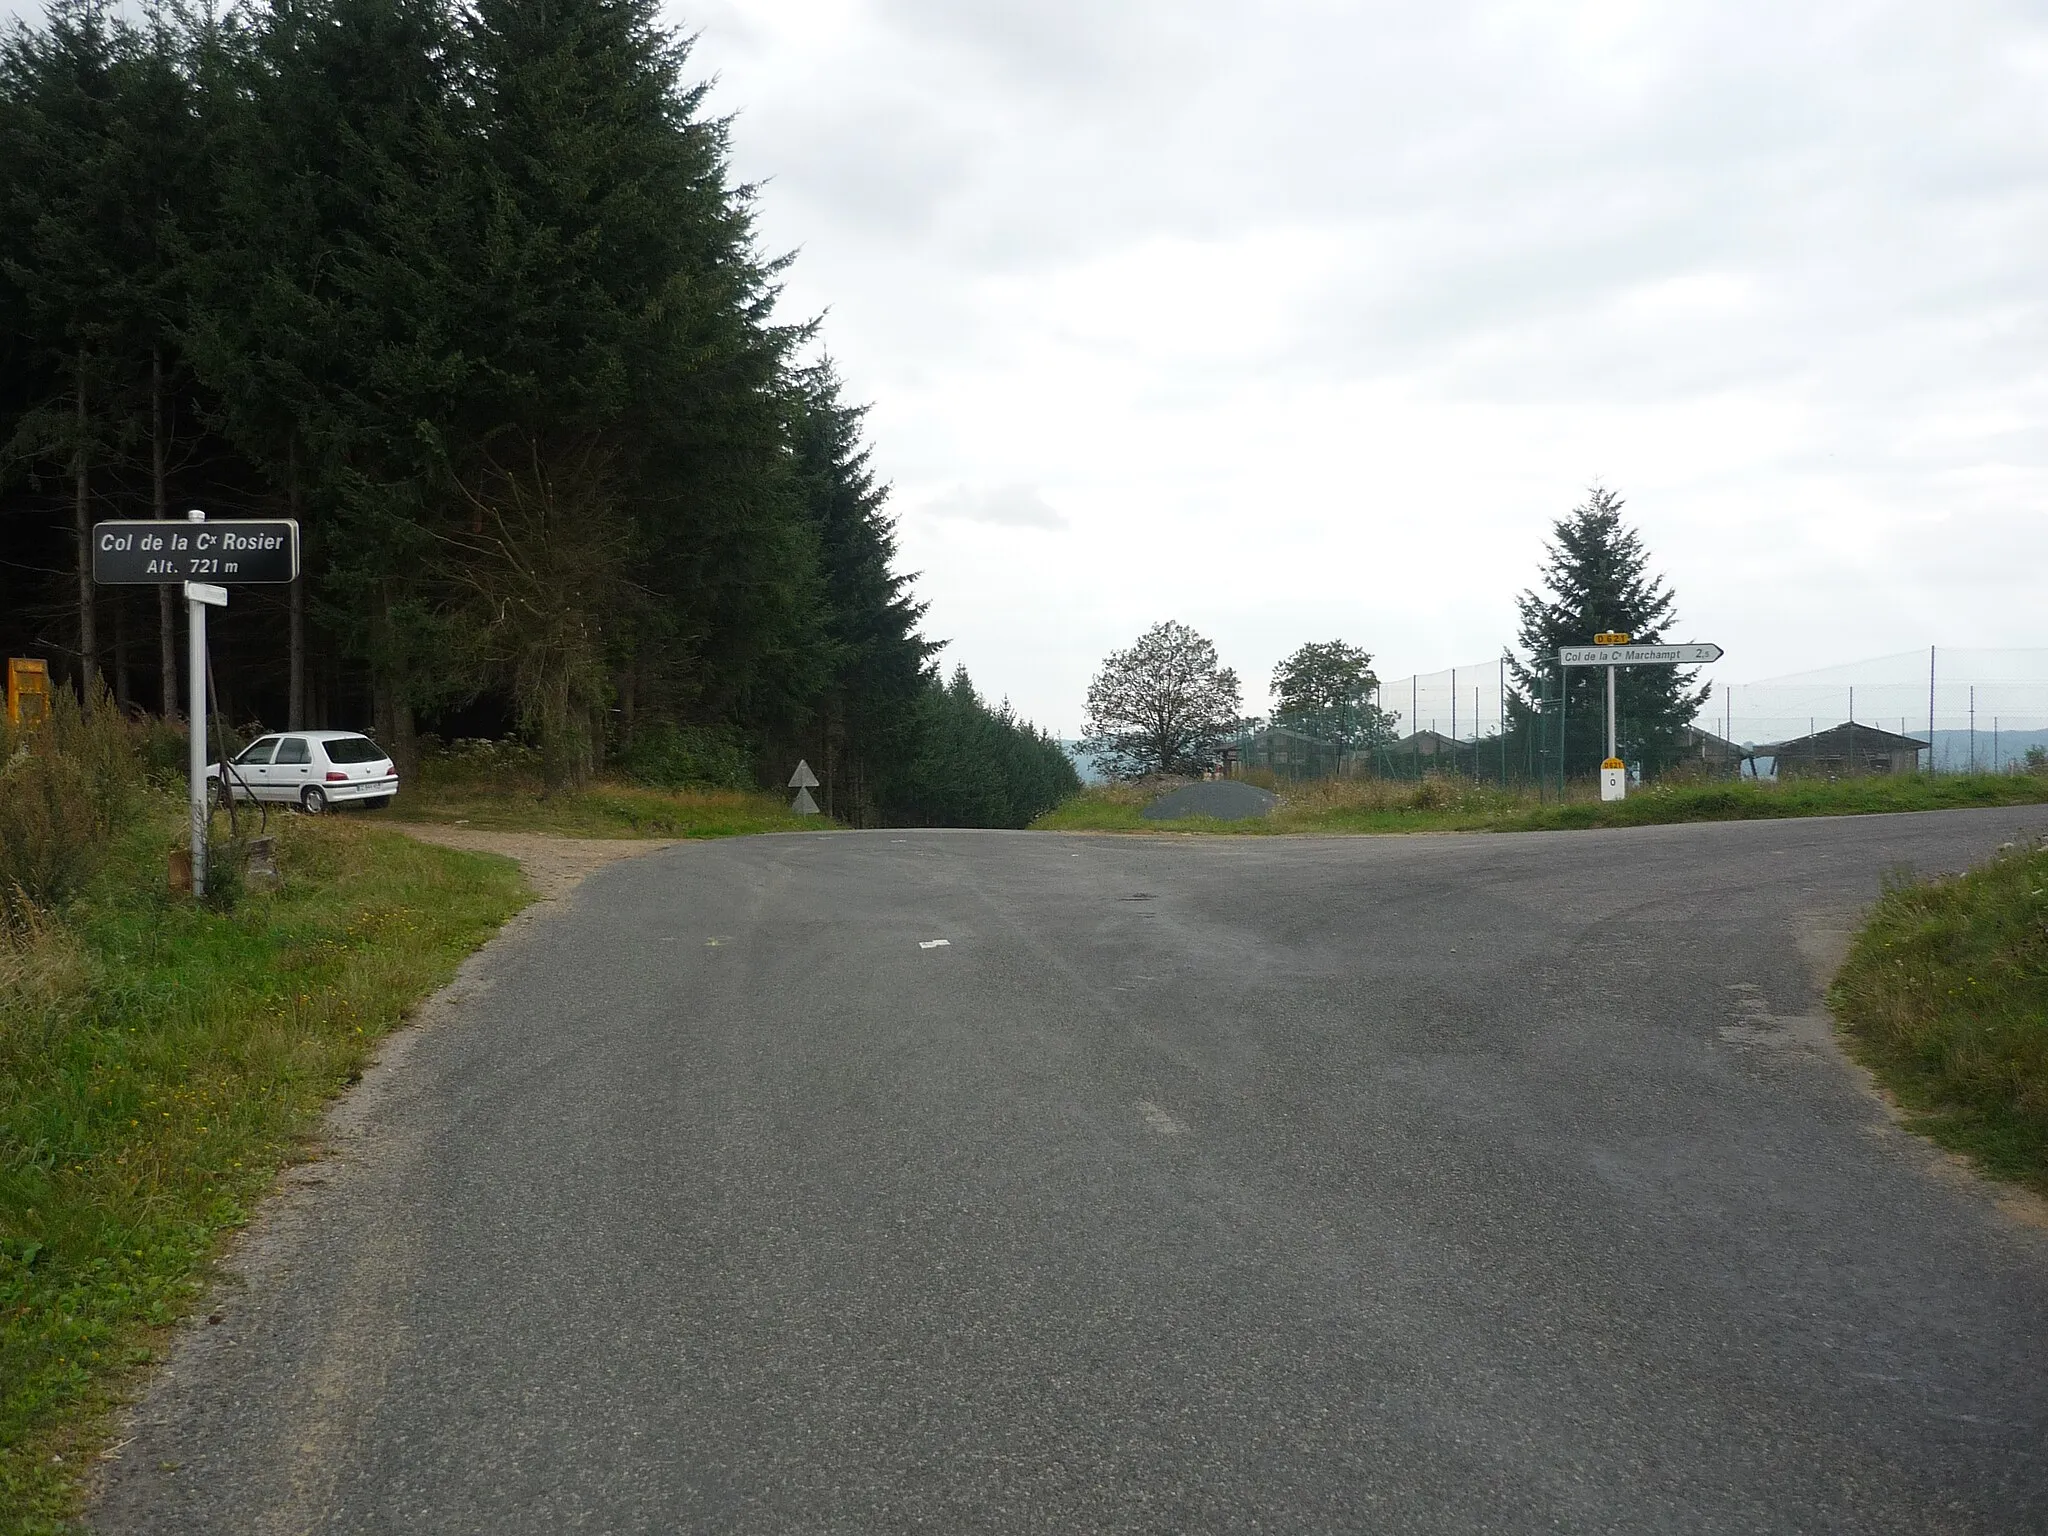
(1224, 799)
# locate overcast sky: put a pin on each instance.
(1306, 320)
(1302, 321)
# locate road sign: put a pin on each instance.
(1613, 637)
(1638, 655)
(803, 781)
(206, 592)
(148, 552)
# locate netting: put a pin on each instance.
(1959, 710)
(1977, 709)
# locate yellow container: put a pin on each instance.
(28, 690)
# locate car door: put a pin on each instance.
(252, 769)
(291, 770)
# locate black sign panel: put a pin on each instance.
(227, 552)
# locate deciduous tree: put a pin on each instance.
(1166, 705)
(1326, 690)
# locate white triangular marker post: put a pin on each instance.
(803, 778)
(803, 804)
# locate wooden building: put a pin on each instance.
(1719, 754)
(1844, 750)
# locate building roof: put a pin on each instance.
(1429, 741)
(1696, 736)
(1290, 733)
(1840, 740)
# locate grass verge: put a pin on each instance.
(1944, 996)
(501, 792)
(1447, 805)
(158, 1063)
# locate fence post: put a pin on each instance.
(1930, 709)
(1564, 708)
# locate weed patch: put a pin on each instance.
(159, 1061)
(1944, 995)
(497, 786)
(1452, 805)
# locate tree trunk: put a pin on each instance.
(295, 707)
(120, 651)
(160, 508)
(391, 708)
(81, 512)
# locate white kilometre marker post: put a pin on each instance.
(803, 781)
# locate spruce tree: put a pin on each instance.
(61, 197)
(621, 304)
(868, 715)
(332, 328)
(1597, 579)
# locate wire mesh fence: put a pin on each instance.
(1968, 710)
(1940, 710)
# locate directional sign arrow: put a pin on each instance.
(1638, 655)
(803, 778)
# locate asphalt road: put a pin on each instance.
(1494, 1183)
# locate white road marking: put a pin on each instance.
(1159, 1121)
(934, 943)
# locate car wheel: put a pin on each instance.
(312, 800)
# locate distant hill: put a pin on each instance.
(1953, 750)
(1084, 763)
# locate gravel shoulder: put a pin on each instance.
(553, 865)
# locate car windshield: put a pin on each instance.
(353, 749)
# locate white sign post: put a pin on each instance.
(803, 781)
(1614, 651)
(199, 596)
(154, 553)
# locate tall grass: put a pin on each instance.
(65, 784)
(1444, 804)
(1945, 996)
(499, 786)
(158, 1061)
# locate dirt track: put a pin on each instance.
(554, 865)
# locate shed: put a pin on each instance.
(1845, 749)
(1430, 746)
(1718, 753)
(1286, 753)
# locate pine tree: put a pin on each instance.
(868, 716)
(469, 290)
(332, 328)
(621, 303)
(1597, 579)
(976, 766)
(61, 196)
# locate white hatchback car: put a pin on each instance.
(312, 770)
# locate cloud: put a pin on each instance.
(1007, 506)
